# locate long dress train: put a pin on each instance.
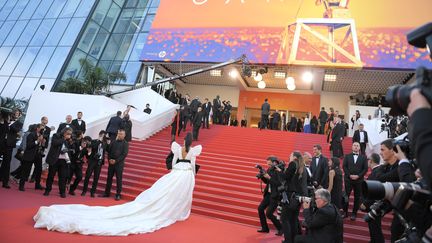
(167, 201)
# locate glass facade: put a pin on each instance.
(114, 37)
(36, 37)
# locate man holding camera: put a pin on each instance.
(271, 197)
(58, 160)
(34, 141)
(95, 154)
(323, 224)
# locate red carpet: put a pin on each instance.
(226, 187)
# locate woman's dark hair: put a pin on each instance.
(188, 141)
(335, 163)
(299, 163)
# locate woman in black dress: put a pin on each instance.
(335, 182)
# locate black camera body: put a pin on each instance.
(261, 172)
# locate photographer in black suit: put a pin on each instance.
(319, 167)
(206, 107)
(77, 153)
(117, 152)
(271, 196)
(11, 130)
(78, 123)
(34, 141)
(360, 136)
(355, 168)
(58, 160)
(323, 224)
(95, 154)
(67, 123)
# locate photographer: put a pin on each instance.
(271, 196)
(34, 141)
(294, 180)
(324, 224)
(58, 159)
(76, 155)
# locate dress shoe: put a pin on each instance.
(103, 195)
(63, 195)
(46, 193)
(263, 231)
(72, 193)
(6, 186)
(83, 193)
(21, 188)
(32, 180)
(279, 233)
(39, 187)
(117, 197)
(353, 217)
(92, 194)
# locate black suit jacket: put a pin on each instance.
(55, 149)
(356, 136)
(421, 136)
(63, 125)
(114, 124)
(338, 133)
(206, 107)
(198, 119)
(373, 176)
(78, 127)
(324, 225)
(359, 168)
(216, 104)
(273, 183)
(12, 134)
(320, 172)
(31, 147)
(118, 150)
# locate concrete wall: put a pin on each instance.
(339, 101)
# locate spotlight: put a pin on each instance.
(279, 74)
(291, 87)
(307, 76)
(216, 72)
(289, 81)
(258, 77)
(261, 84)
(233, 73)
(330, 77)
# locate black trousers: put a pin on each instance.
(322, 126)
(290, 222)
(264, 121)
(116, 169)
(363, 148)
(270, 204)
(37, 172)
(95, 169)
(25, 172)
(396, 228)
(75, 169)
(59, 167)
(196, 132)
(5, 166)
(356, 186)
(375, 231)
(25, 168)
(206, 120)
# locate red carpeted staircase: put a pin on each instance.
(226, 186)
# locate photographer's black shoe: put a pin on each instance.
(263, 231)
(83, 193)
(39, 187)
(279, 233)
(117, 197)
(92, 194)
(46, 193)
(104, 195)
(63, 195)
(353, 217)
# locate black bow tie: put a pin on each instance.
(355, 154)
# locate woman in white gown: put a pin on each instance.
(167, 201)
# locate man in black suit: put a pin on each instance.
(276, 120)
(95, 155)
(206, 107)
(114, 125)
(323, 116)
(217, 115)
(147, 109)
(197, 123)
(355, 168)
(11, 129)
(34, 142)
(265, 112)
(323, 224)
(58, 160)
(270, 198)
(79, 124)
(337, 135)
(195, 103)
(319, 167)
(68, 123)
(292, 123)
(226, 112)
(361, 137)
(117, 152)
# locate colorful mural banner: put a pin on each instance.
(219, 30)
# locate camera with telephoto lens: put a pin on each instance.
(302, 199)
(261, 172)
(377, 210)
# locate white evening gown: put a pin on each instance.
(167, 201)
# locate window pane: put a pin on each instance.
(88, 36)
(84, 8)
(131, 3)
(56, 62)
(124, 21)
(4, 53)
(138, 47)
(16, 12)
(99, 43)
(27, 88)
(55, 9)
(119, 2)
(155, 3)
(105, 65)
(5, 29)
(28, 33)
(115, 66)
(74, 66)
(142, 3)
(48, 82)
(15, 33)
(124, 48)
(72, 31)
(5, 11)
(131, 71)
(11, 87)
(112, 47)
(57, 32)
(101, 11)
(111, 17)
(30, 9)
(12, 61)
(3, 81)
(70, 8)
(26, 61)
(42, 9)
(42, 32)
(40, 62)
(148, 22)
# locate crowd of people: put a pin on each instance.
(66, 151)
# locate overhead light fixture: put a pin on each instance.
(254, 73)
(279, 74)
(307, 76)
(258, 77)
(216, 72)
(233, 73)
(261, 84)
(291, 87)
(330, 77)
(290, 81)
